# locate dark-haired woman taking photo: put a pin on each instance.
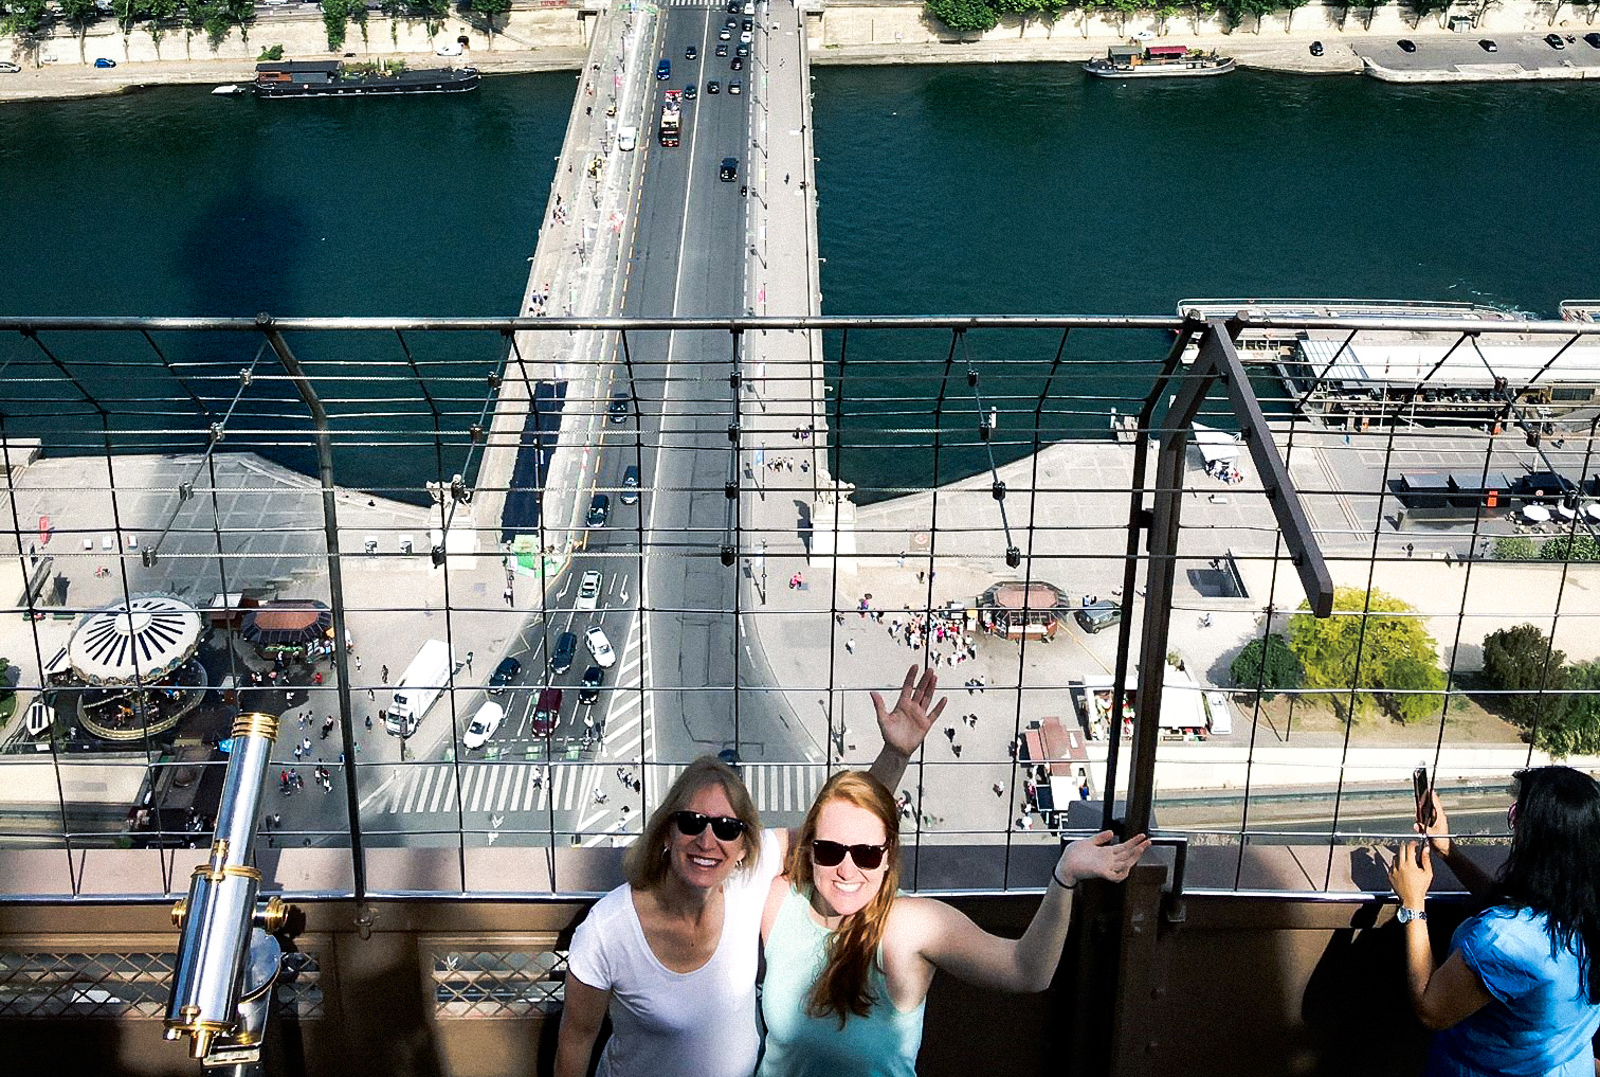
(1520, 991)
(849, 961)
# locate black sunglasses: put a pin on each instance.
(830, 854)
(724, 827)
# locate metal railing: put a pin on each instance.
(894, 487)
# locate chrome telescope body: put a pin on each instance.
(225, 934)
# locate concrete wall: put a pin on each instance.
(305, 38)
(906, 24)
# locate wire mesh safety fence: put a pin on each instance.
(501, 602)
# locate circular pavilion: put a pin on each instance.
(1017, 610)
(136, 659)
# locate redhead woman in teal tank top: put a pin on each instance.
(849, 961)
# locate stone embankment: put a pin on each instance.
(555, 36)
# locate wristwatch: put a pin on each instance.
(1405, 915)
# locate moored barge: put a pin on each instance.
(1158, 61)
(329, 78)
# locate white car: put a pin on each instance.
(589, 590)
(451, 49)
(600, 647)
(628, 139)
(483, 725)
(746, 37)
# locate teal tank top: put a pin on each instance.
(882, 1044)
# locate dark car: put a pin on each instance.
(730, 23)
(547, 713)
(1488, 46)
(729, 756)
(691, 53)
(1593, 40)
(566, 650)
(503, 674)
(746, 25)
(733, 7)
(1316, 48)
(690, 92)
(725, 34)
(713, 86)
(742, 50)
(735, 86)
(722, 49)
(1097, 616)
(1554, 41)
(599, 510)
(729, 170)
(104, 62)
(618, 409)
(589, 691)
(630, 485)
(737, 64)
(664, 70)
(1407, 45)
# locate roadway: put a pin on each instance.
(670, 695)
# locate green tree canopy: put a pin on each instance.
(22, 17)
(1570, 548)
(80, 14)
(1574, 727)
(963, 15)
(1520, 661)
(1357, 648)
(335, 19)
(1269, 664)
(491, 10)
(1416, 687)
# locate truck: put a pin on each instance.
(671, 117)
(419, 686)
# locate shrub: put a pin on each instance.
(1268, 663)
(1519, 661)
(1573, 727)
(268, 55)
(1571, 548)
(1515, 548)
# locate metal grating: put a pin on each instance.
(487, 984)
(44, 986)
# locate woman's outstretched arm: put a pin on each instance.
(949, 940)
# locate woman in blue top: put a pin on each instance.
(1520, 991)
(849, 961)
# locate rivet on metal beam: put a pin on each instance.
(998, 489)
(984, 429)
(494, 381)
(733, 432)
(476, 431)
(1013, 557)
(730, 490)
(729, 556)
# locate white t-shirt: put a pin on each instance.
(678, 1024)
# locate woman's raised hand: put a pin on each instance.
(905, 726)
(1098, 858)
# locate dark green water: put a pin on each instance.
(1004, 189)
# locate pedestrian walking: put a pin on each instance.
(509, 595)
(358, 662)
(383, 674)
(950, 733)
(999, 789)
(369, 723)
(469, 661)
(850, 645)
(372, 697)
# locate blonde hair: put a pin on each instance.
(842, 987)
(645, 863)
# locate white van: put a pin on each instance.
(628, 139)
(1221, 714)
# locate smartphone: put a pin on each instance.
(1419, 787)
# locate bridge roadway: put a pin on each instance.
(686, 243)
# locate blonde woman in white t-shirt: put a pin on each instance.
(672, 953)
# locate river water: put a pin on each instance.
(988, 189)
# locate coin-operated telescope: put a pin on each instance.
(228, 957)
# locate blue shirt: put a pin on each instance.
(1540, 1022)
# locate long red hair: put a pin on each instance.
(843, 987)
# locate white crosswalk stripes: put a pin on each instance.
(426, 788)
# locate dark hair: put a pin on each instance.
(843, 986)
(1554, 866)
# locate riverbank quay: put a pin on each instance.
(558, 38)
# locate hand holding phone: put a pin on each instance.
(1419, 787)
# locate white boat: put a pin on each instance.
(232, 89)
